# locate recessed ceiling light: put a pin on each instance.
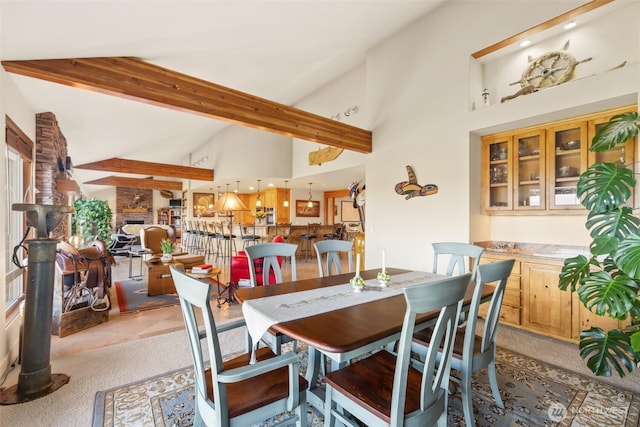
(525, 43)
(569, 25)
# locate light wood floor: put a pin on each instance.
(129, 327)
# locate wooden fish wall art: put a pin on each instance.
(411, 188)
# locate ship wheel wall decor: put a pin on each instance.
(547, 70)
(411, 188)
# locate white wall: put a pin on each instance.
(345, 92)
(243, 153)
(418, 92)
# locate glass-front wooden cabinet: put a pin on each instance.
(567, 160)
(497, 173)
(530, 172)
(535, 170)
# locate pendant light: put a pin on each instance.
(310, 203)
(286, 195)
(237, 187)
(258, 201)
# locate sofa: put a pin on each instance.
(240, 266)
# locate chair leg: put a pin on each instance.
(197, 419)
(493, 380)
(467, 402)
(329, 419)
(301, 412)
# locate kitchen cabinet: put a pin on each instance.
(270, 198)
(585, 319)
(567, 160)
(547, 309)
(511, 311)
(532, 299)
(283, 213)
(535, 170)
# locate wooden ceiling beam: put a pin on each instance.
(116, 164)
(135, 79)
(151, 184)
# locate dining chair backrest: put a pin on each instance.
(269, 253)
(497, 273)
(333, 250)
(443, 295)
(221, 407)
(457, 252)
(428, 387)
(476, 352)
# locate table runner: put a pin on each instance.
(262, 313)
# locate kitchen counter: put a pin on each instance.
(533, 250)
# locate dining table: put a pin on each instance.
(341, 334)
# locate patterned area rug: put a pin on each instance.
(534, 393)
(132, 297)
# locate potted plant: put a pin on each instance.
(260, 216)
(91, 219)
(167, 246)
(608, 282)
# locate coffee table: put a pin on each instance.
(159, 278)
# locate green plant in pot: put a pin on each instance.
(167, 246)
(608, 282)
(91, 219)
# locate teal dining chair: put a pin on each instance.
(234, 392)
(333, 249)
(268, 257)
(457, 252)
(475, 352)
(386, 390)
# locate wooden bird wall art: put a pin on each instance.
(411, 188)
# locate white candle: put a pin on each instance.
(384, 270)
(357, 265)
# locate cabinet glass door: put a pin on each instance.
(566, 162)
(530, 171)
(498, 178)
(621, 154)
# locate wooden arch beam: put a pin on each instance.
(132, 78)
(116, 164)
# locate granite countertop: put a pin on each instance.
(535, 250)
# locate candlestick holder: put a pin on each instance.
(383, 278)
(357, 283)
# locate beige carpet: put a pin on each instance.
(72, 405)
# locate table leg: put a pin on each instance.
(130, 264)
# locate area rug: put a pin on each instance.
(534, 393)
(132, 297)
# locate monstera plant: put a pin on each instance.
(608, 281)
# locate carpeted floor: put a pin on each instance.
(132, 297)
(534, 394)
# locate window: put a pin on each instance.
(14, 226)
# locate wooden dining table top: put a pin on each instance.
(347, 329)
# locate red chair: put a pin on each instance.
(240, 266)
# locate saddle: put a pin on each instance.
(90, 266)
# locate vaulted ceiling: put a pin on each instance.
(277, 50)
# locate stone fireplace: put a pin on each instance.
(133, 205)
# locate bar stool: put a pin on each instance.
(307, 239)
(336, 232)
(284, 230)
(248, 234)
